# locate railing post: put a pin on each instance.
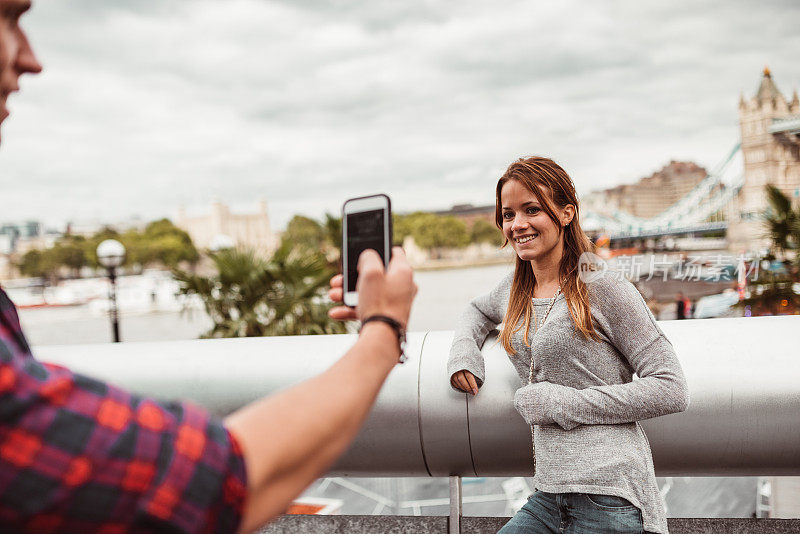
(454, 525)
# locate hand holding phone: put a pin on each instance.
(388, 292)
(383, 280)
(366, 225)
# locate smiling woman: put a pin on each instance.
(592, 463)
(535, 204)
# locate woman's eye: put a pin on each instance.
(508, 215)
(533, 210)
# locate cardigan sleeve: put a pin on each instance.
(482, 315)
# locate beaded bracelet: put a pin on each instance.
(398, 328)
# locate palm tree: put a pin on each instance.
(783, 222)
(333, 239)
(250, 296)
(774, 291)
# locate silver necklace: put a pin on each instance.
(530, 374)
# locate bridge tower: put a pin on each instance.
(770, 132)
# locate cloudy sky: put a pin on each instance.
(148, 105)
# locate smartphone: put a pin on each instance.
(366, 224)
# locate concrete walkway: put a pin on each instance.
(359, 524)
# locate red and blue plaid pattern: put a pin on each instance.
(79, 455)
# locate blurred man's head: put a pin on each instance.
(16, 55)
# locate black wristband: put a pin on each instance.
(398, 328)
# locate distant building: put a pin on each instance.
(221, 226)
(649, 196)
(595, 202)
(6, 244)
(12, 233)
(469, 213)
(7, 268)
(770, 130)
(90, 227)
(18, 238)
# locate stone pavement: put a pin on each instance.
(372, 524)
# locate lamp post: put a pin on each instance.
(111, 254)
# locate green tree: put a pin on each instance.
(160, 243)
(48, 263)
(32, 264)
(773, 291)
(783, 222)
(70, 254)
(435, 231)
(332, 243)
(304, 231)
(170, 251)
(333, 230)
(483, 231)
(313, 236)
(250, 296)
(402, 227)
(164, 243)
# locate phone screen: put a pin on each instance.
(364, 231)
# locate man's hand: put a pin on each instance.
(465, 381)
(380, 292)
(336, 294)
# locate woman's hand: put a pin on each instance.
(465, 381)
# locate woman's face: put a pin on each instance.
(526, 225)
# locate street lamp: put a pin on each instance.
(111, 254)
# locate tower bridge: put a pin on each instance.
(731, 197)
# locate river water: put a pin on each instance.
(441, 297)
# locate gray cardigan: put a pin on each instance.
(583, 399)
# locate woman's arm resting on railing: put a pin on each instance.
(482, 315)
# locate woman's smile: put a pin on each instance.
(526, 225)
(521, 240)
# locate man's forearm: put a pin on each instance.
(289, 439)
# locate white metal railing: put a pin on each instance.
(742, 373)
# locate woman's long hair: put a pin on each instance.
(534, 173)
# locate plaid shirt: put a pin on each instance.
(79, 455)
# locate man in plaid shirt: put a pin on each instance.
(79, 455)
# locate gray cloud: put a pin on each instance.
(145, 106)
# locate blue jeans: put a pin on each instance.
(575, 513)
